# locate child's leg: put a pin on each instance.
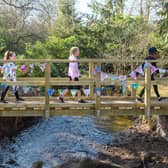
(155, 87)
(61, 97)
(4, 92)
(15, 90)
(79, 94)
(142, 92)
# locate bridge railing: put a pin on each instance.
(93, 81)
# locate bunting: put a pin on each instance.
(43, 67)
(51, 92)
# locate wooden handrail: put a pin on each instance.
(35, 61)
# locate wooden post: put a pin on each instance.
(91, 86)
(98, 85)
(133, 92)
(47, 86)
(147, 92)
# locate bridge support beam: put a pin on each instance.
(47, 86)
(91, 69)
(147, 92)
(98, 88)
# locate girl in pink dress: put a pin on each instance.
(73, 73)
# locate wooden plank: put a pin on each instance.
(98, 85)
(72, 83)
(91, 86)
(160, 82)
(74, 112)
(72, 105)
(27, 113)
(113, 60)
(147, 92)
(24, 83)
(118, 112)
(54, 79)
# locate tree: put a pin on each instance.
(164, 20)
(25, 21)
(65, 22)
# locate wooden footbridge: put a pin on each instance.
(47, 106)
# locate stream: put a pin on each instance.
(59, 139)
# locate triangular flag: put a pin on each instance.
(51, 92)
(23, 68)
(43, 66)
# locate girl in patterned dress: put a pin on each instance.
(9, 74)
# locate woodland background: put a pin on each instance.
(47, 29)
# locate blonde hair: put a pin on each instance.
(7, 55)
(73, 50)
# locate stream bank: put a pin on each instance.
(140, 146)
(11, 126)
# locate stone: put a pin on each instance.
(38, 164)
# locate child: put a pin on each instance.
(73, 73)
(153, 55)
(9, 74)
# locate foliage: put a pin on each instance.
(48, 29)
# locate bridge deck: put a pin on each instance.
(36, 108)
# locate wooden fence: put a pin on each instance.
(93, 81)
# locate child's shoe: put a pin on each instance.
(139, 99)
(3, 101)
(19, 99)
(82, 101)
(61, 99)
(161, 98)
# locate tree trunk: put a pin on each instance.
(162, 126)
(141, 8)
(148, 6)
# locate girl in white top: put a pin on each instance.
(73, 73)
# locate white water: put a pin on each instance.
(55, 141)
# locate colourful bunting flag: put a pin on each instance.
(31, 66)
(23, 68)
(73, 92)
(51, 92)
(98, 91)
(135, 86)
(87, 92)
(26, 89)
(43, 66)
(97, 69)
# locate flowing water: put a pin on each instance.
(57, 140)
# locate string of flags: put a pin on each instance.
(73, 92)
(25, 68)
(140, 71)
